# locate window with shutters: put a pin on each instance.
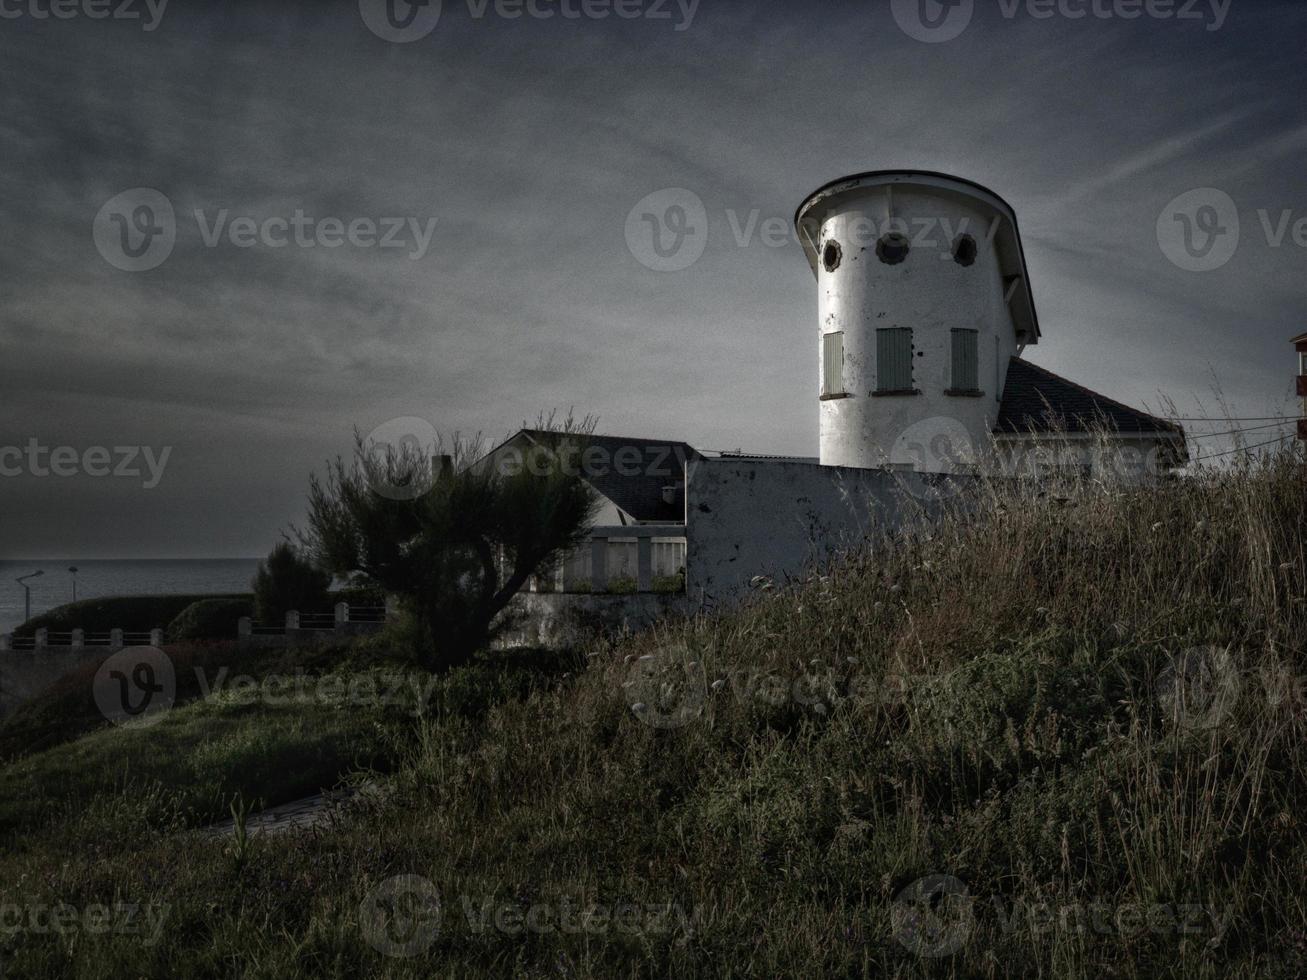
(965, 365)
(894, 361)
(832, 366)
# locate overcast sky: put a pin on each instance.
(520, 146)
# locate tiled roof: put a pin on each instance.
(633, 472)
(1037, 400)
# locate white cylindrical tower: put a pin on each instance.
(922, 298)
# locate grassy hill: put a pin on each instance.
(1063, 737)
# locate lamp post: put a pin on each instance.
(27, 593)
(73, 570)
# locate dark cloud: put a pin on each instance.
(529, 141)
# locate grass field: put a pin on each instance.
(1062, 737)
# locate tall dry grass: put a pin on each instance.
(1044, 736)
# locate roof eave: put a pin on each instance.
(1012, 260)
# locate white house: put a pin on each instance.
(925, 311)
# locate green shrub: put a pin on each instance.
(135, 614)
(209, 619)
(669, 584)
(286, 581)
(622, 585)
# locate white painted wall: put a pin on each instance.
(931, 294)
(748, 518)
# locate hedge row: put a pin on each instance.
(138, 614)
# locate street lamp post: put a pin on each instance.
(27, 593)
(73, 570)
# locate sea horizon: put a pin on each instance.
(98, 578)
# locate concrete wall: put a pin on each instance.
(26, 673)
(750, 518)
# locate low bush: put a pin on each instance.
(669, 584)
(209, 619)
(135, 614)
(622, 585)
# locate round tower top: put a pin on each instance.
(1005, 235)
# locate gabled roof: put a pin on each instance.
(632, 473)
(1036, 400)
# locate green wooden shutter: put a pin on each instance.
(966, 369)
(894, 359)
(832, 364)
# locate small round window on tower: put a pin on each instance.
(892, 248)
(831, 255)
(964, 250)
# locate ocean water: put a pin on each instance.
(113, 577)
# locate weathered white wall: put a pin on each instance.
(750, 518)
(927, 292)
